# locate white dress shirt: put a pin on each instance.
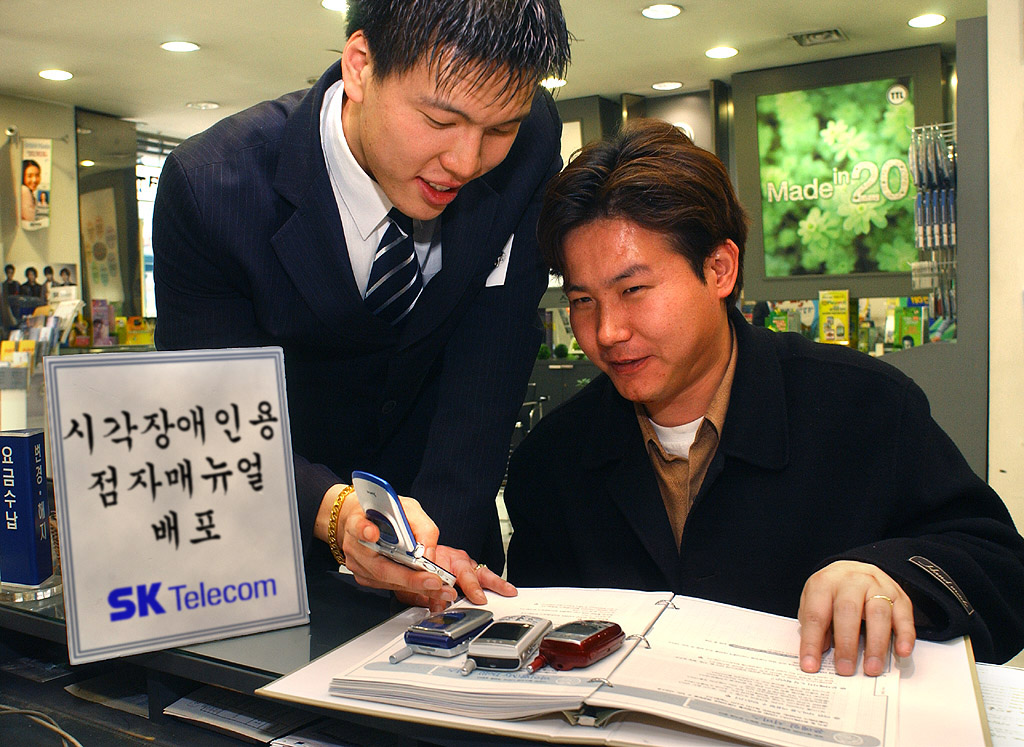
(362, 204)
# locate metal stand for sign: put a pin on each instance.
(933, 165)
(50, 589)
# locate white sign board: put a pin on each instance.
(175, 497)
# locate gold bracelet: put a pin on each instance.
(332, 528)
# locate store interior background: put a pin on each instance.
(254, 50)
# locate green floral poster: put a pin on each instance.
(836, 192)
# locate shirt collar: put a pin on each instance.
(363, 197)
(719, 404)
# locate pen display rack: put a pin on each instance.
(933, 165)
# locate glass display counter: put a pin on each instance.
(339, 611)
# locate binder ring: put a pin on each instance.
(639, 637)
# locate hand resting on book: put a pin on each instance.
(834, 602)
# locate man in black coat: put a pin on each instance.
(267, 231)
(732, 463)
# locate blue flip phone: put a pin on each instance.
(381, 505)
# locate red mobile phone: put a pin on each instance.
(580, 643)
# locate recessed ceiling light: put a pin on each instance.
(668, 85)
(661, 11)
(203, 105)
(179, 46)
(721, 53)
(821, 36)
(926, 21)
(86, 163)
(339, 6)
(55, 74)
(552, 82)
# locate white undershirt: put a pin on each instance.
(678, 439)
(362, 204)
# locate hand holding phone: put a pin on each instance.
(381, 505)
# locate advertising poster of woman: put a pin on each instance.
(36, 158)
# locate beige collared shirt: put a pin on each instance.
(679, 478)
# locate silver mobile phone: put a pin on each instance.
(381, 505)
(507, 643)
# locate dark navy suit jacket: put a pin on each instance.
(249, 251)
(825, 454)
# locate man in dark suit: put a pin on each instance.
(11, 286)
(728, 462)
(269, 228)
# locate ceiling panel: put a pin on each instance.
(256, 49)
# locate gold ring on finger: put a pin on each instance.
(480, 567)
(883, 596)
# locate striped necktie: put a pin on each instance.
(395, 281)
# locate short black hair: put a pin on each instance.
(8, 268)
(525, 39)
(651, 174)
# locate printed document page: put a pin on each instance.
(1003, 691)
(437, 683)
(937, 702)
(736, 671)
(309, 686)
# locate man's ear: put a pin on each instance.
(355, 66)
(722, 267)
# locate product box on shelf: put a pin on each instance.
(102, 323)
(25, 556)
(779, 321)
(911, 326)
(139, 331)
(836, 323)
(803, 316)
